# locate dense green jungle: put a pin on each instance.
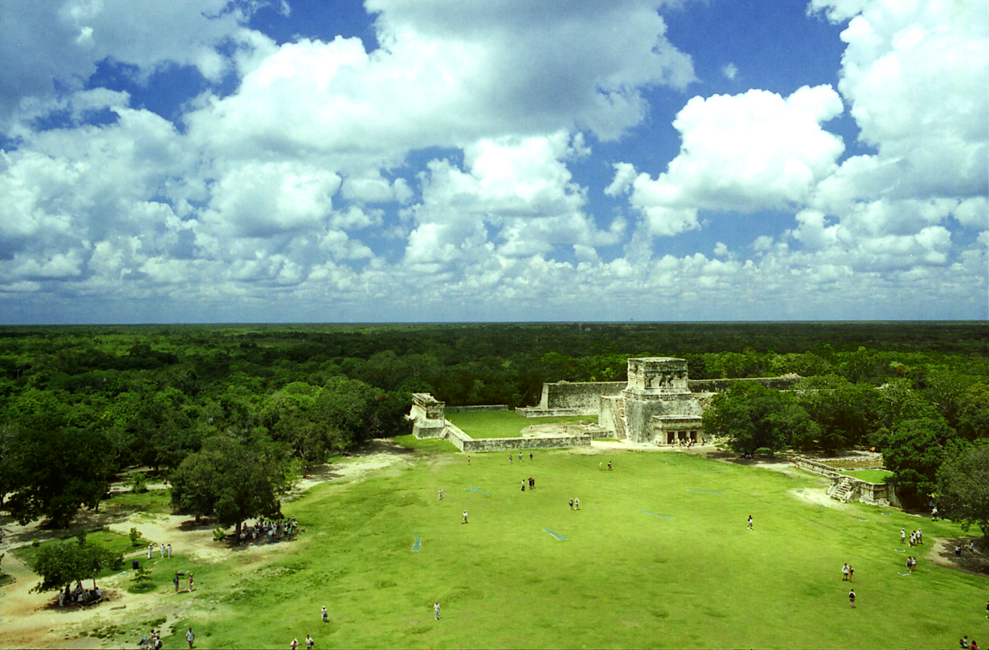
(79, 404)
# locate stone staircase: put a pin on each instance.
(843, 490)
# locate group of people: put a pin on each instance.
(175, 581)
(309, 642)
(164, 549)
(271, 529)
(911, 563)
(965, 643)
(847, 573)
(79, 595)
(916, 537)
(531, 482)
(509, 458)
(575, 504)
(152, 641)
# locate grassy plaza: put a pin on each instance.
(659, 555)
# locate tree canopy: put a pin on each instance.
(63, 563)
(963, 486)
(226, 479)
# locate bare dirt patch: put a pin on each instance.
(942, 553)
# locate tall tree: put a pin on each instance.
(56, 472)
(226, 479)
(913, 451)
(63, 563)
(963, 486)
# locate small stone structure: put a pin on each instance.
(428, 416)
(845, 488)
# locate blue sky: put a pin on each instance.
(460, 160)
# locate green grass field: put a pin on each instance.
(868, 475)
(506, 424)
(658, 556)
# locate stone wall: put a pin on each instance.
(720, 385)
(458, 438)
(515, 444)
(536, 412)
(580, 396)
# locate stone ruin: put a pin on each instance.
(656, 405)
(659, 404)
(428, 416)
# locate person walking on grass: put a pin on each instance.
(191, 582)
(903, 536)
(441, 495)
(465, 517)
(576, 504)
(294, 645)
(851, 599)
(309, 642)
(325, 615)
(571, 504)
(190, 637)
(851, 574)
(750, 522)
(844, 572)
(436, 610)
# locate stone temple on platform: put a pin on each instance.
(656, 405)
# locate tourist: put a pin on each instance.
(973, 645)
(151, 548)
(903, 536)
(520, 456)
(175, 581)
(987, 609)
(523, 485)
(441, 495)
(530, 456)
(958, 550)
(169, 550)
(576, 504)
(851, 574)
(309, 642)
(750, 522)
(436, 610)
(468, 460)
(934, 514)
(325, 615)
(844, 572)
(920, 536)
(609, 465)
(963, 642)
(161, 550)
(851, 598)
(465, 517)
(191, 582)
(571, 504)
(190, 637)
(509, 459)
(294, 645)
